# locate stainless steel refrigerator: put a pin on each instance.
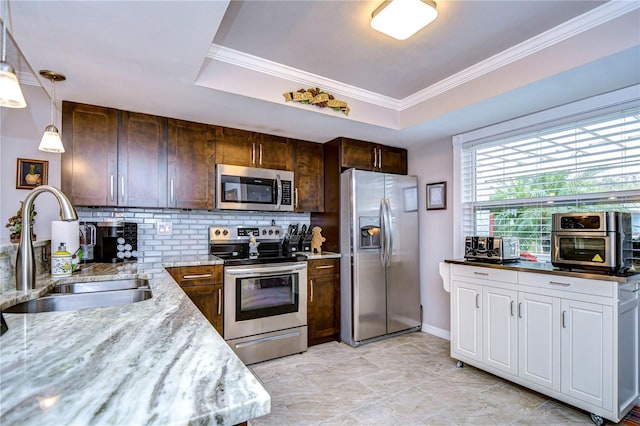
(379, 269)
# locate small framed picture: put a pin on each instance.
(31, 173)
(437, 196)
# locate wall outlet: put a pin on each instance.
(164, 228)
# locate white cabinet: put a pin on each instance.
(571, 338)
(466, 320)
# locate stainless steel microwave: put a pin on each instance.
(249, 188)
(594, 241)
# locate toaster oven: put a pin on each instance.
(492, 249)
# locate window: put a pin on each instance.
(511, 186)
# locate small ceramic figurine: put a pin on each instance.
(316, 240)
(253, 246)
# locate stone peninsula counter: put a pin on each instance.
(158, 361)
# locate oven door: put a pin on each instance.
(247, 188)
(264, 298)
(590, 250)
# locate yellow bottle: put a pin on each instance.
(61, 262)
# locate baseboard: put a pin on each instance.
(439, 332)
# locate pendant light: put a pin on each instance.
(10, 92)
(51, 141)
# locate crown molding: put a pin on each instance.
(595, 17)
(573, 27)
(306, 79)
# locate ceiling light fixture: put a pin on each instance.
(401, 19)
(10, 92)
(51, 141)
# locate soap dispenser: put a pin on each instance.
(61, 262)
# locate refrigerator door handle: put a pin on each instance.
(389, 231)
(383, 236)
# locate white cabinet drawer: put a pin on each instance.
(491, 274)
(569, 284)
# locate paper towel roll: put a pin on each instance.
(67, 233)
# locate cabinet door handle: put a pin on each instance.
(219, 301)
(311, 285)
(511, 307)
(564, 319)
(324, 267)
(191, 277)
(559, 283)
(375, 158)
(520, 310)
(111, 187)
(253, 153)
(171, 190)
(260, 154)
(380, 159)
(483, 274)
(295, 197)
(122, 187)
(478, 301)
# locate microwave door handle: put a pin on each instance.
(278, 192)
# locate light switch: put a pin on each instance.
(164, 228)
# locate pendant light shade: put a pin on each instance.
(51, 141)
(401, 19)
(10, 92)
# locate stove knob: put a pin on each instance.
(217, 232)
(264, 232)
(277, 231)
(270, 231)
(225, 232)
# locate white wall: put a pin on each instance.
(20, 133)
(433, 162)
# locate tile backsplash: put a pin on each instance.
(189, 227)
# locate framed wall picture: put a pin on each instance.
(31, 173)
(437, 196)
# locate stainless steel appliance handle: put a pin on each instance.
(389, 231)
(267, 339)
(257, 269)
(383, 237)
(278, 189)
(191, 277)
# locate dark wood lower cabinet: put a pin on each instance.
(323, 300)
(203, 285)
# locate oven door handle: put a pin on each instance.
(259, 270)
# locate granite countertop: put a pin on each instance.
(323, 255)
(158, 361)
(547, 268)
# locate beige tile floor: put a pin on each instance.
(405, 380)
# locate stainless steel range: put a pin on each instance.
(265, 294)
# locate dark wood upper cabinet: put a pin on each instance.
(242, 148)
(142, 160)
(371, 156)
(308, 161)
(191, 165)
(236, 147)
(89, 163)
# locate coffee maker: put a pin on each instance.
(116, 241)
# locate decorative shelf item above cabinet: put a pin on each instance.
(308, 161)
(323, 304)
(243, 148)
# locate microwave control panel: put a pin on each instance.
(286, 192)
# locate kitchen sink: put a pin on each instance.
(71, 302)
(99, 286)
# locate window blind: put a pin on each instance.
(511, 186)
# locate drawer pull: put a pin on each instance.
(311, 282)
(191, 277)
(324, 267)
(559, 283)
(219, 301)
(484, 274)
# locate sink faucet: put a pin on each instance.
(25, 262)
